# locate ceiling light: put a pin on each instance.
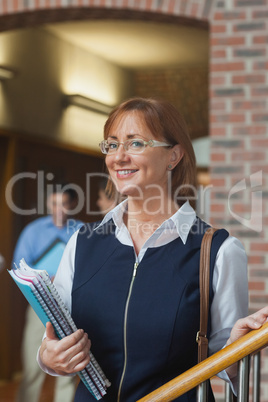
(6, 73)
(86, 103)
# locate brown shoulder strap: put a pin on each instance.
(201, 337)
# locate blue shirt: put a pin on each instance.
(41, 239)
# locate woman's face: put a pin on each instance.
(141, 174)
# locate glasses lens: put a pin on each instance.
(112, 147)
(135, 146)
(103, 147)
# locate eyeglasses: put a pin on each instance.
(134, 146)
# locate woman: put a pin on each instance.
(132, 283)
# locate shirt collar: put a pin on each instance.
(182, 220)
(116, 214)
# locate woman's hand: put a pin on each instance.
(247, 324)
(68, 355)
(242, 327)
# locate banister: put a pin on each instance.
(249, 343)
(243, 379)
(256, 377)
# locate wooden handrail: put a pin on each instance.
(250, 343)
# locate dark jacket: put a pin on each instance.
(143, 330)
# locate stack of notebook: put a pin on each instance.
(42, 294)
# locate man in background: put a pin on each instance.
(41, 244)
(105, 202)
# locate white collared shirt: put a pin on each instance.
(178, 225)
(230, 283)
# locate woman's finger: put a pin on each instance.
(70, 354)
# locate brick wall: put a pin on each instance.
(238, 107)
(239, 132)
(238, 127)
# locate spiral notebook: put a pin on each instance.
(42, 295)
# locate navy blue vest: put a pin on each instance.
(162, 316)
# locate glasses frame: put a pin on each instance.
(150, 143)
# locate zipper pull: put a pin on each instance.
(135, 269)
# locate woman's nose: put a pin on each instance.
(121, 153)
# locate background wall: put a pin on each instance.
(239, 133)
(46, 68)
(186, 88)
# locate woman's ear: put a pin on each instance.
(176, 154)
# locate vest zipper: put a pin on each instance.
(125, 329)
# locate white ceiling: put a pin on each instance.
(137, 44)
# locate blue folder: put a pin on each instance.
(50, 258)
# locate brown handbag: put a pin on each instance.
(204, 270)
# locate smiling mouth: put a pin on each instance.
(125, 172)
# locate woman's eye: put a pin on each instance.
(112, 145)
(136, 144)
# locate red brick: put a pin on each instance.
(218, 80)
(261, 90)
(228, 118)
(260, 117)
(234, 180)
(259, 165)
(221, 105)
(259, 246)
(194, 10)
(261, 299)
(248, 156)
(215, 29)
(218, 131)
(256, 286)
(228, 41)
(15, 5)
(260, 65)
(218, 157)
(249, 78)
(255, 259)
(260, 39)
(218, 182)
(238, 207)
(249, 105)
(261, 13)
(219, 53)
(229, 15)
(231, 66)
(4, 7)
(250, 130)
(217, 208)
(260, 143)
